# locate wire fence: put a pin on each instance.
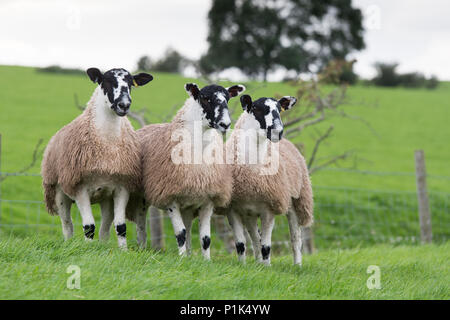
(344, 217)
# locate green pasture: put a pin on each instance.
(36, 267)
(351, 208)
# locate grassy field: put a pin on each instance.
(353, 210)
(39, 266)
(35, 105)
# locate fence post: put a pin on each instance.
(307, 240)
(422, 197)
(156, 229)
(223, 232)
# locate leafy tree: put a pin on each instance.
(172, 61)
(257, 36)
(339, 72)
(144, 64)
(387, 76)
(432, 83)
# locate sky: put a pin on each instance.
(109, 33)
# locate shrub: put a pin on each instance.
(61, 70)
(171, 62)
(144, 64)
(432, 83)
(412, 80)
(339, 71)
(386, 75)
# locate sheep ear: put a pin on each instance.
(235, 90)
(287, 102)
(95, 75)
(192, 89)
(142, 79)
(246, 102)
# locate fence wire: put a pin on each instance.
(344, 217)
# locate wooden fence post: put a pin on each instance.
(307, 240)
(156, 229)
(224, 232)
(422, 197)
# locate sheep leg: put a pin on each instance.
(63, 204)
(251, 223)
(178, 227)
(141, 228)
(204, 224)
(106, 207)
(296, 237)
(121, 196)
(267, 223)
(238, 232)
(187, 217)
(84, 206)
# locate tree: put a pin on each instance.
(172, 61)
(386, 75)
(144, 64)
(339, 72)
(258, 36)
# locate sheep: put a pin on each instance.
(189, 188)
(96, 158)
(261, 189)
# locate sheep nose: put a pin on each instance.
(224, 125)
(124, 105)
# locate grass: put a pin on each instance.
(352, 210)
(39, 265)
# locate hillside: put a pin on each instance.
(35, 105)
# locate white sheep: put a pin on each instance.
(275, 183)
(96, 158)
(195, 185)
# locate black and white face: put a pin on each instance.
(213, 100)
(116, 85)
(266, 113)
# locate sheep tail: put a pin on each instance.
(304, 204)
(50, 196)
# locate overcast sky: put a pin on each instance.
(107, 34)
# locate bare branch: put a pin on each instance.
(139, 118)
(335, 159)
(301, 118)
(357, 118)
(317, 145)
(170, 114)
(36, 154)
(300, 128)
(77, 104)
(319, 105)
